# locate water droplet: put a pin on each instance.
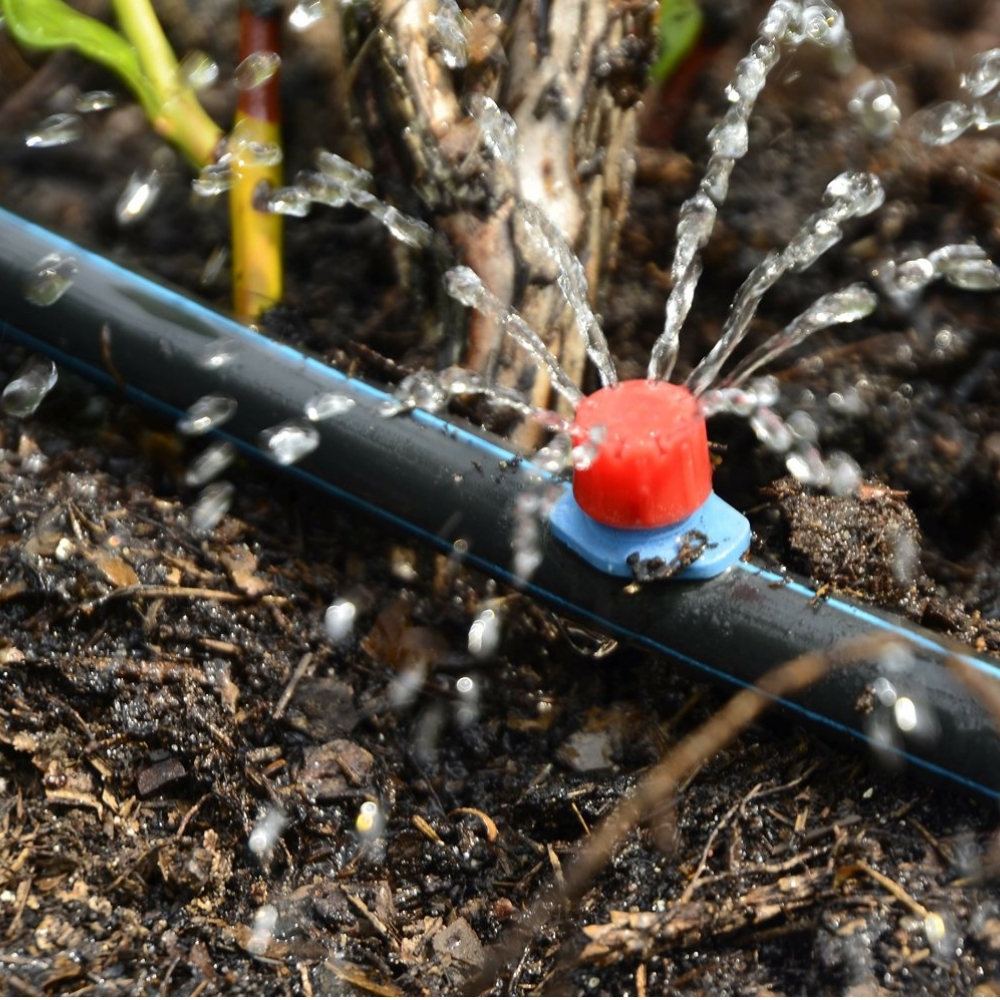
(771, 430)
(95, 100)
(262, 932)
(198, 70)
(207, 414)
(343, 172)
(139, 196)
(326, 405)
(484, 633)
(287, 442)
(338, 622)
(370, 822)
(904, 711)
(884, 691)
(268, 828)
(852, 194)
(212, 180)
(291, 201)
(306, 13)
(823, 24)
(54, 274)
(730, 138)
(782, 18)
(803, 426)
(465, 286)
(907, 277)
(499, 129)
(24, 393)
(56, 130)
(806, 465)
(211, 507)
(448, 26)
(256, 69)
(213, 266)
(421, 390)
(404, 228)
(944, 123)
(810, 244)
(844, 473)
(467, 709)
(219, 353)
(983, 74)
(322, 189)
(215, 459)
(966, 266)
(874, 105)
(748, 80)
(254, 153)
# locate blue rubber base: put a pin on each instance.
(608, 549)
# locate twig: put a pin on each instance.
(659, 784)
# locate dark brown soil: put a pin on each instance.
(163, 694)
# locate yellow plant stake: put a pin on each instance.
(256, 165)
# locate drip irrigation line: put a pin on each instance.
(457, 489)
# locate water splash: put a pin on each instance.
(789, 24)
(25, 392)
(464, 285)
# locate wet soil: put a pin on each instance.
(166, 699)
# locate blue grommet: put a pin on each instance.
(609, 549)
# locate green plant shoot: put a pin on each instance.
(140, 55)
(679, 23)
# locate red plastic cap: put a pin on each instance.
(652, 467)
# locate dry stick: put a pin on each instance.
(661, 782)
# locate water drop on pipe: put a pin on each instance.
(53, 276)
(326, 405)
(288, 442)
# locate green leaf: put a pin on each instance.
(679, 25)
(52, 24)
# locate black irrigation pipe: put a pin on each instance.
(456, 488)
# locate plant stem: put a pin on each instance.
(178, 116)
